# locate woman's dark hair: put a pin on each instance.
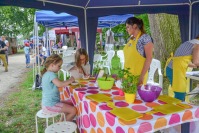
(79, 52)
(133, 20)
(51, 59)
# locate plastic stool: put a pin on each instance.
(62, 127)
(42, 114)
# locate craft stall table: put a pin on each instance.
(96, 117)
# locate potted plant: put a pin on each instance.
(128, 84)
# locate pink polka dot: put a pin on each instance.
(175, 118)
(93, 120)
(105, 90)
(92, 91)
(86, 121)
(197, 113)
(161, 102)
(115, 93)
(110, 119)
(86, 106)
(104, 107)
(80, 89)
(119, 130)
(159, 114)
(81, 95)
(92, 87)
(139, 108)
(67, 90)
(144, 127)
(121, 104)
(73, 100)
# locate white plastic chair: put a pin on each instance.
(106, 62)
(68, 52)
(67, 60)
(155, 65)
(41, 114)
(97, 60)
(109, 47)
(62, 127)
(120, 54)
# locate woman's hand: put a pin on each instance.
(140, 81)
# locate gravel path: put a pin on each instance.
(16, 69)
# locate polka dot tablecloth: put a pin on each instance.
(95, 117)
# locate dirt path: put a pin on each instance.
(16, 69)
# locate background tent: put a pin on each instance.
(88, 12)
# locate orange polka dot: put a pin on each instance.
(80, 107)
(114, 88)
(152, 104)
(61, 89)
(146, 117)
(160, 122)
(76, 97)
(108, 94)
(92, 130)
(187, 115)
(123, 122)
(118, 98)
(91, 85)
(62, 96)
(66, 95)
(93, 105)
(100, 119)
(99, 130)
(83, 83)
(71, 89)
(131, 130)
(137, 101)
(108, 130)
(84, 131)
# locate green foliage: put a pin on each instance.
(122, 28)
(129, 81)
(17, 21)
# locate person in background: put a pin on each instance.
(3, 38)
(138, 52)
(50, 93)
(31, 47)
(3, 48)
(186, 55)
(82, 66)
(27, 54)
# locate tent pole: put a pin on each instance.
(85, 17)
(190, 21)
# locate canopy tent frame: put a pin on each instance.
(88, 12)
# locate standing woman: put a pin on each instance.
(186, 55)
(138, 52)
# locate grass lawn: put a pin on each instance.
(19, 109)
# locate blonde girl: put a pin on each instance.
(50, 94)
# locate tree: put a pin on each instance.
(17, 21)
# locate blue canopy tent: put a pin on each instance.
(52, 19)
(88, 12)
